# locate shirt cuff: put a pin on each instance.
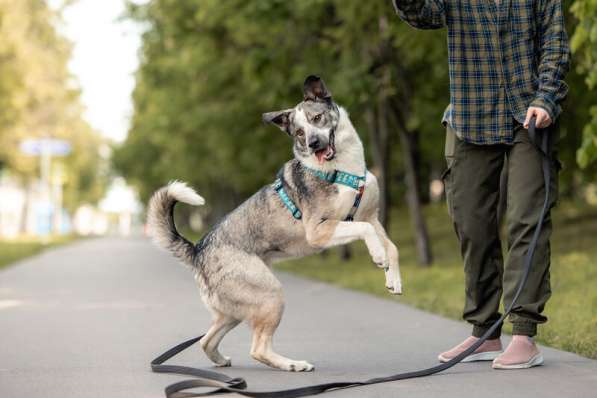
(552, 108)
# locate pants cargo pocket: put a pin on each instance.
(447, 189)
(447, 174)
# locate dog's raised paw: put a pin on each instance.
(395, 290)
(300, 366)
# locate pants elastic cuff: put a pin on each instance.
(479, 331)
(524, 329)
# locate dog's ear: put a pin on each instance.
(314, 89)
(279, 118)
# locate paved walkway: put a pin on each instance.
(85, 320)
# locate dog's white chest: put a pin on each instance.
(347, 196)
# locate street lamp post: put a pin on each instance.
(45, 148)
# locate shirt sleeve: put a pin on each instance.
(422, 14)
(554, 59)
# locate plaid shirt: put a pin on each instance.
(504, 56)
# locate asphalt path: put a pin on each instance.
(84, 320)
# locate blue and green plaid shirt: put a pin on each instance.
(504, 56)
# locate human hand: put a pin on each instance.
(543, 119)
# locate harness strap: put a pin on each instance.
(357, 202)
(219, 383)
(333, 177)
(279, 187)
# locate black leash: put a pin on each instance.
(221, 383)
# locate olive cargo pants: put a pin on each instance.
(472, 182)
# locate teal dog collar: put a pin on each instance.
(339, 177)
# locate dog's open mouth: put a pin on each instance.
(325, 154)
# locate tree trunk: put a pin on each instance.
(413, 197)
(423, 188)
(414, 200)
(345, 253)
(378, 133)
(384, 164)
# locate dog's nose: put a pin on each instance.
(314, 142)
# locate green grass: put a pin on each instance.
(572, 309)
(14, 250)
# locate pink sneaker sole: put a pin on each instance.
(480, 356)
(537, 360)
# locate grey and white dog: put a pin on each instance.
(232, 261)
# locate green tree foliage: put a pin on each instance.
(38, 98)
(584, 44)
(209, 69)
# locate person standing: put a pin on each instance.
(507, 62)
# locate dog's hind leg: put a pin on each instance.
(264, 324)
(246, 289)
(222, 324)
(393, 280)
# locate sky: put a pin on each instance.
(104, 60)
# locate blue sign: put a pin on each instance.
(52, 146)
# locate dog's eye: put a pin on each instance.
(317, 118)
(300, 133)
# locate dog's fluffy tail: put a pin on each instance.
(160, 219)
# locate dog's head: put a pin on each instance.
(312, 123)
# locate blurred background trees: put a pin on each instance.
(40, 99)
(209, 69)
(584, 44)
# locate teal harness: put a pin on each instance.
(279, 187)
(333, 177)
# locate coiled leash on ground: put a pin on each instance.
(221, 383)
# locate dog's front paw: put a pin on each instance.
(393, 280)
(395, 288)
(300, 366)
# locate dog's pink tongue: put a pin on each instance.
(321, 155)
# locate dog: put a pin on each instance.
(232, 261)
